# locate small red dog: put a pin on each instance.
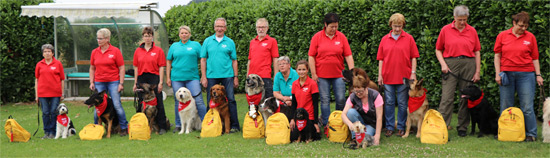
(218, 101)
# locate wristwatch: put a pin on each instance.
(414, 72)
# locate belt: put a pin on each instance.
(459, 57)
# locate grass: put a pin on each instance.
(233, 145)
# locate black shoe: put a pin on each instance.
(46, 136)
(162, 131)
(234, 130)
(530, 139)
(177, 129)
(462, 133)
(123, 132)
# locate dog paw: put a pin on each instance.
(181, 132)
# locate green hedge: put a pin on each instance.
(293, 23)
(21, 41)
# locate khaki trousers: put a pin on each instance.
(463, 68)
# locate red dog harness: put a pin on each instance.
(472, 104)
(301, 124)
(254, 99)
(359, 137)
(182, 106)
(63, 119)
(99, 109)
(152, 103)
(416, 102)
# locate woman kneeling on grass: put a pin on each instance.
(364, 105)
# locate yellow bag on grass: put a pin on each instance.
(277, 130)
(253, 128)
(337, 130)
(138, 128)
(15, 132)
(92, 132)
(434, 128)
(511, 125)
(211, 124)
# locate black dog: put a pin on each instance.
(105, 109)
(481, 111)
(303, 130)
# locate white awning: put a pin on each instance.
(87, 10)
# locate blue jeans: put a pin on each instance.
(339, 90)
(524, 84)
(112, 88)
(393, 93)
(49, 116)
(354, 116)
(228, 84)
(195, 87)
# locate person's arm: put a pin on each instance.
(293, 112)
(279, 96)
(498, 79)
(345, 118)
(311, 60)
(380, 79)
(92, 72)
(275, 66)
(236, 74)
(349, 60)
(444, 67)
(161, 78)
(36, 90)
(62, 90)
(379, 113)
(121, 74)
(204, 81)
(478, 66)
(540, 80)
(168, 72)
(413, 69)
(135, 78)
(247, 67)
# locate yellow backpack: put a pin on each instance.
(338, 130)
(277, 130)
(511, 126)
(211, 124)
(138, 128)
(253, 128)
(92, 132)
(15, 132)
(434, 129)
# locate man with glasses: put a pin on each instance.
(262, 53)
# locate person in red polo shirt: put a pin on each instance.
(262, 55)
(149, 64)
(457, 50)
(327, 51)
(397, 55)
(107, 74)
(48, 87)
(305, 94)
(517, 69)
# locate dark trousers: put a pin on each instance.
(268, 86)
(153, 79)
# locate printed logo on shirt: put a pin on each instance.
(111, 56)
(305, 89)
(526, 43)
(337, 43)
(223, 45)
(189, 48)
(53, 67)
(153, 54)
(264, 44)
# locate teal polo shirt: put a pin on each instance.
(184, 59)
(219, 57)
(285, 87)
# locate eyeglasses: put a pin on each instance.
(147, 36)
(261, 27)
(99, 39)
(359, 91)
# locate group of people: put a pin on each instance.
(457, 50)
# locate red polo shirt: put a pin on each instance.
(106, 64)
(303, 95)
(397, 55)
(454, 43)
(149, 61)
(49, 78)
(261, 56)
(329, 53)
(517, 53)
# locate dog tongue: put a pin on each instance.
(464, 96)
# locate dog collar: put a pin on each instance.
(301, 124)
(359, 137)
(213, 104)
(472, 104)
(63, 119)
(182, 106)
(99, 109)
(416, 102)
(254, 99)
(152, 103)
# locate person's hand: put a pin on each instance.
(314, 77)
(498, 79)
(288, 103)
(292, 124)
(120, 87)
(92, 86)
(169, 82)
(413, 76)
(317, 128)
(62, 98)
(204, 82)
(540, 80)
(445, 69)
(380, 80)
(159, 88)
(376, 140)
(476, 77)
(236, 82)
(134, 88)
(36, 99)
(351, 127)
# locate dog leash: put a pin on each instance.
(38, 118)
(541, 101)
(446, 75)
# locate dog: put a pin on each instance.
(419, 104)
(219, 102)
(105, 110)
(149, 104)
(361, 138)
(304, 127)
(349, 74)
(272, 105)
(187, 109)
(481, 112)
(546, 121)
(65, 127)
(255, 94)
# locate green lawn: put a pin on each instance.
(233, 145)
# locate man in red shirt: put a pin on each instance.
(457, 50)
(262, 54)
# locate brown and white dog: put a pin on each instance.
(546, 121)
(418, 106)
(149, 105)
(362, 139)
(187, 110)
(349, 74)
(255, 94)
(219, 102)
